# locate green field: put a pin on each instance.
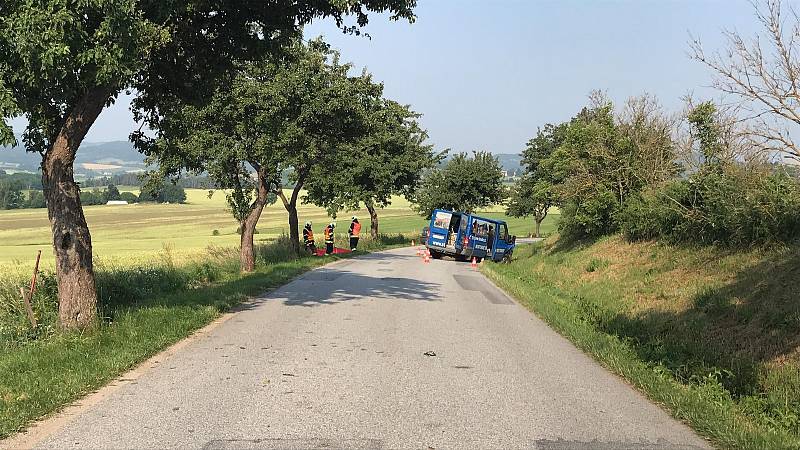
(133, 232)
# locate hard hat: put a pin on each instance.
(308, 223)
(355, 218)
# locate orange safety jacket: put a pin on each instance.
(355, 229)
(328, 235)
(308, 235)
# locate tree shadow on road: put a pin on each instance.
(335, 285)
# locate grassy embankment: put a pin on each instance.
(712, 335)
(162, 274)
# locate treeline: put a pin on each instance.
(647, 175)
(12, 197)
(139, 179)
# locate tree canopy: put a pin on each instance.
(389, 160)
(464, 184)
(289, 113)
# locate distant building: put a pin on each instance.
(116, 202)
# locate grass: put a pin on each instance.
(145, 308)
(712, 335)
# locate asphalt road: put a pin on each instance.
(337, 358)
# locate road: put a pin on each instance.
(337, 358)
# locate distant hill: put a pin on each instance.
(511, 163)
(93, 159)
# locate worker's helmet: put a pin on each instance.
(355, 218)
(308, 223)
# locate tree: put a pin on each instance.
(534, 194)
(764, 73)
(61, 63)
(111, 193)
(276, 115)
(129, 197)
(331, 115)
(160, 190)
(10, 196)
(464, 184)
(388, 161)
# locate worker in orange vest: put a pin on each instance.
(355, 230)
(329, 238)
(308, 239)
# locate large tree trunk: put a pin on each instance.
(291, 208)
(247, 257)
(373, 220)
(72, 243)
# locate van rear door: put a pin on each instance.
(439, 228)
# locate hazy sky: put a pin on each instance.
(485, 74)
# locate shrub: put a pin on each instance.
(129, 197)
(279, 250)
(730, 207)
(215, 233)
(590, 216)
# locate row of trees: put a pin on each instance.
(62, 63)
(301, 114)
(13, 197)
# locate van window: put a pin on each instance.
(480, 228)
(504, 232)
(442, 219)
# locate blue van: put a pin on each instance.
(464, 236)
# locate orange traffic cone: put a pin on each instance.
(426, 258)
(412, 242)
(474, 263)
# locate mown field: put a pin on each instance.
(133, 232)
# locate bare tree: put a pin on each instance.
(764, 74)
(735, 135)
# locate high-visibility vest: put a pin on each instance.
(328, 235)
(356, 229)
(308, 235)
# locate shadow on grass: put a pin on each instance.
(739, 334)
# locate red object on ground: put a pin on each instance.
(336, 251)
(474, 263)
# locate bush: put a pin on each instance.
(129, 197)
(730, 207)
(591, 216)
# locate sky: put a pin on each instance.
(486, 74)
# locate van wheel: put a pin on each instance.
(478, 259)
(436, 254)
